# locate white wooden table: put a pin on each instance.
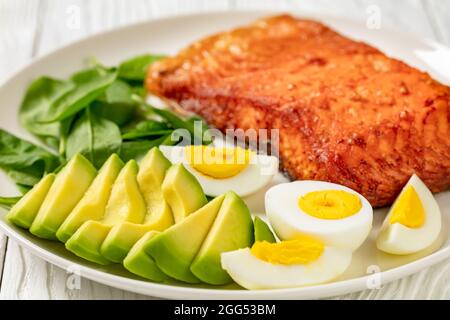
(31, 28)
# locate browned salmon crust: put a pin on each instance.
(346, 112)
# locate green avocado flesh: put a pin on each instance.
(140, 263)
(232, 230)
(86, 241)
(158, 214)
(24, 212)
(153, 218)
(64, 194)
(183, 192)
(262, 231)
(125, 204)
(93, 204)
(174, 249)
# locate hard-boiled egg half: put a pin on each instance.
(414, 221)
(295, 263)
(336, 215)
(221, 169)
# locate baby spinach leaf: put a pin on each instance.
(137, 149)
(116, 104)
(139, 90)
(120, 114)
(52, 142)
(8, 202)
(149, 125)
(40, 95)
(88, 85)
(27, 177)
(93, 62)
(64, 129)
(16, 152)
(147, 128)
(197, 132)
(119, 92)
(173, 119)
(94, 137)
(23, 189)
(136, 68)
(23, 161)
(144, 134)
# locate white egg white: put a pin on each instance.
(254, 274)
(290, 222)
(254, 177)
(402, 240)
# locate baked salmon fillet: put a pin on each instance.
(346, 113)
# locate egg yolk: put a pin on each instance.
(299, 251)
(408, 209)
(219, 163)
(330, 204)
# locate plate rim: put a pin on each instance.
(179, 292)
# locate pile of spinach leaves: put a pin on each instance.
(96, 112)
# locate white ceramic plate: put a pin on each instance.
(168, 36)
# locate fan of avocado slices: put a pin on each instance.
(153, 218)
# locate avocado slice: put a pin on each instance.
(24, 211)
(174, 249)
(66, 191)
(158, 217)
(86, 241)
(232, 230)
(262, 231)
(140, 263)
(151, 175)
(183, 192)
(125, 204)
(93, 204)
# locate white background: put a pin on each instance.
(31, 28)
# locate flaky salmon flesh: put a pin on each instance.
(346, 113)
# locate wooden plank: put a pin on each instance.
(18, 21)
(179, 7)
(79, 18)
(430, 283)
(3, 246)
(28, 277)
(17, 33)
(404, 15)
